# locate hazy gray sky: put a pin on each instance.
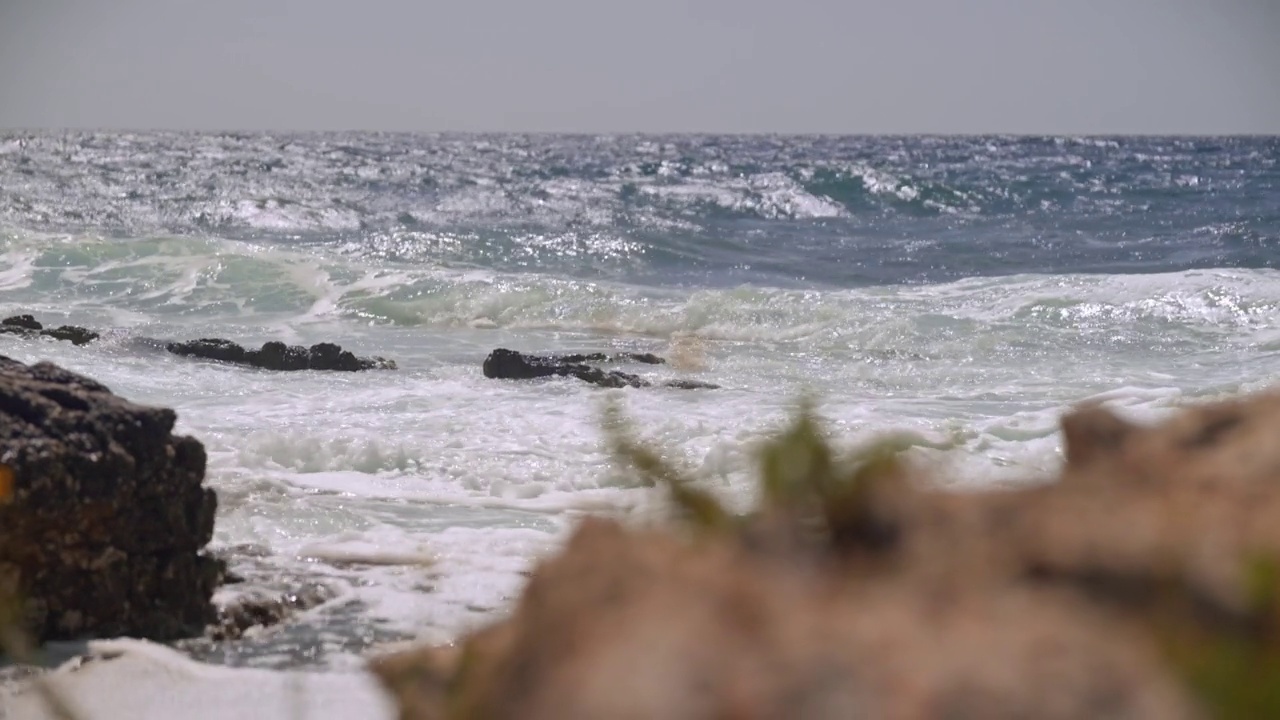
(906, 66)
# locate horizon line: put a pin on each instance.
(638, 133)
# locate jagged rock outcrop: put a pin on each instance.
(29, 326)
(511, 365)
(276, 355)
(103, 531)
(1143, 583)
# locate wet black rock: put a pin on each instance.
(73, 333)
(103, 514)
(263, 609)
(276, 355)
(28, 326)
(22, 321)
(646, 358)
(507, 364)
(273, 355)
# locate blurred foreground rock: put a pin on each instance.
(103, 516)
(1144, 583)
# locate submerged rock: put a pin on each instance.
(29, 326)
(254, 610)
(73, 333)
(511, 365)
(276, 355)
(106, 517)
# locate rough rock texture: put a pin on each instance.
(641, 625)
(1186, 504)
(1144, 583)
(278, 356)
(104, 532)
(26, 322)
(29, 326)
(511, 365)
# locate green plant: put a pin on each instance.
(806, 487)
(1233, 668)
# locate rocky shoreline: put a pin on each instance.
(502, 363)
(104, 517)
(1142, 582)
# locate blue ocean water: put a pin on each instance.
(689, 211)
(963, 290)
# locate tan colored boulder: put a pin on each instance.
(1129, 588)
(627, 624)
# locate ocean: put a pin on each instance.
(962, 292)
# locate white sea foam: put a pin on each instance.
(768, 195)
(144, 681)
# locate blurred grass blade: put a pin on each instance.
(700, 507)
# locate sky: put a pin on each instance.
(801, 66)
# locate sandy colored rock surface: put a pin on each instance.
(865, 594)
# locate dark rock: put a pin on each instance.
(258, 610)
(23, 321)
(18, 330)
(646, 358)
(276, 355)
(27, 325)
(327, 356)
(76, 334)
(209, 349)
(104, 529)
(273, 355)
(507, 364)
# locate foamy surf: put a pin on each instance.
(137, 680)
